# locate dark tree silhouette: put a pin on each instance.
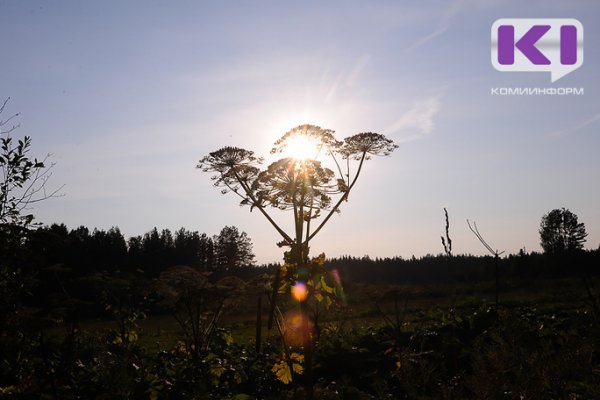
(157, 251)
(560, 232)
(206, 252)
(193, 249)
(108, 250)
(233, 249)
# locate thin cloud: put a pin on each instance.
(428, 37)
(347, 80)
(446, 17)
(442, 26)
(357, 69)
(334, 87)
(578, 127)
(418, 121)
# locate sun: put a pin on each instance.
(301, 147)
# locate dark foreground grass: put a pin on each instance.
(368, 306)
(386, 341)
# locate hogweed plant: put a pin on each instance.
(301, 184)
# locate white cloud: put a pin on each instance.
(418, 121)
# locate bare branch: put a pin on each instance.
(475, 231)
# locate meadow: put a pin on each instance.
(386, 341)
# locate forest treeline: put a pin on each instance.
(465, 268)
(72, 269)
(82, 251)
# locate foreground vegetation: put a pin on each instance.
(387, 341)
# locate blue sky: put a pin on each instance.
(127, 96)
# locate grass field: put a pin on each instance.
(366, 306)
(436, 341)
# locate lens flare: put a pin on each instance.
(297, 328)
(337, 280)
(336, 276)
(299, 291)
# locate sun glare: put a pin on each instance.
(301, 147)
